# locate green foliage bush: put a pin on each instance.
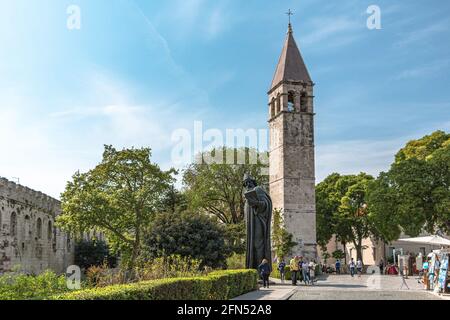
(220, 285)
(188, 235)
(173, 266)
(24, 287)
(93, 253)
(236, 261)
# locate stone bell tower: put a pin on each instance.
(292, 164)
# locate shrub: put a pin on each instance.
(24, 287)
(188, 235)
(220, 285)
(173, 266)
(236, 261)
(93, 253)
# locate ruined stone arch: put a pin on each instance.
(39, 228)
(13, 225)
(27, 228)
(49, 230)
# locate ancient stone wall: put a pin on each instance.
(29, 239)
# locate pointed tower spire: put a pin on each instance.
(291, 67)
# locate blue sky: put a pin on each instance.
(138, 70)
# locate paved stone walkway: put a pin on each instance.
(277, 291)
(344, 287)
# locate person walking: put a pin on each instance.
(264, 271)
(312, 272)
(293, 264)
(381, 266)
(300, 269)
(359, 267)
(352, 267)
(282, 270)
(305, 271)
(338, 266)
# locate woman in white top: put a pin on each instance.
(359, 267)
(312, 272)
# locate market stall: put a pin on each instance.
(433, 269)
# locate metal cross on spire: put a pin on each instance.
(289, 14)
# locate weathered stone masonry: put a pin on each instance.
(292, 163)
(28, 236)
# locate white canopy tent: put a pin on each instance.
(431, 240)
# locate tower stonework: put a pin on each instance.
(291, 151)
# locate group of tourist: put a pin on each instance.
(354, 267)
(301, 270)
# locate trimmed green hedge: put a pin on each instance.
(220, 285)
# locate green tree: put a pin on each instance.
(354, 216)
(217, 188)
(188, 235)
(329, 194)
(338, 254)
(119, 197)
(327, 203)
(282, 240)
(344, 210)
(416, 189)
(325, 257)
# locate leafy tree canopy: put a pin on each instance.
(416, 189)
(119, 197)
(344, 210)
(216, 187)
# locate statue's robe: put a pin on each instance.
(258, 220)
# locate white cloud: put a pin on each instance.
(352, 157)
(424, 70)
(370, 156)
(45, 149)
(420, 36)
(336, 29)
(203, 18)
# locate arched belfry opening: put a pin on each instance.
(278, 104)
(291, 101)
(272, 108)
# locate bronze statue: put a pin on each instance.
(258, 215)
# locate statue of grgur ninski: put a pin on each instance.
(258, 215)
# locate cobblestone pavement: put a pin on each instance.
(377, 287)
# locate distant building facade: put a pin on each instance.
(29, 239)
(374, 251)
